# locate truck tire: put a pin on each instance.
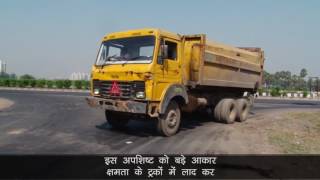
(226, 111)
(116, 119)
(243, 109)
(169, 122)
(217, 111)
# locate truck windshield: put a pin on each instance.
(126, 50)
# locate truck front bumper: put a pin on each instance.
(118, 105)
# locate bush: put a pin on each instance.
(77, 84)
(305, 93)
(20, 83)
(275, 92)
(85, 84)
(25, 82)
(12, 82)
(59, 84)
(67, 84)
(32, 83)
(2, 82)
(41, 83)
(7, 82)
(50, 84)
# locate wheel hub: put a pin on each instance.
(172, 119)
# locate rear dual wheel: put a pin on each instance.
(243, 108)
(225, 111)
(229, 110)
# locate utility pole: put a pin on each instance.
(310, 85)
(317, 85)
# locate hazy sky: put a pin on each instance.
(52, 39)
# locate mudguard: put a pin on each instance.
(173, 91)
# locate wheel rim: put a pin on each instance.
(172, 119)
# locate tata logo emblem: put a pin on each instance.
(115, 90)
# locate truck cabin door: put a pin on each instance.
(172, 67)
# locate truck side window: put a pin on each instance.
(172, 50)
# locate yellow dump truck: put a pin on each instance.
(157, 75)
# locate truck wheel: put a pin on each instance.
(217, 111)
(243, 109)
(117, 120)
(226, 111)
(169, 122)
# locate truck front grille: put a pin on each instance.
(127, 88)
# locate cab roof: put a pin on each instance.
(141, 32)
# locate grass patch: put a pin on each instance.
(297, 133)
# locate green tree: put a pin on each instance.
(303, 73)
(26, 76)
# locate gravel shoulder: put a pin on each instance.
(5, 103)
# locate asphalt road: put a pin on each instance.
(62, 123)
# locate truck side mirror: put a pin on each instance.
(163, 52)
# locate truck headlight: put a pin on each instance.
(140, 95)
(96, 91)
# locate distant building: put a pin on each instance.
(79, 76)
(3, 67)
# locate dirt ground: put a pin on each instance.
(5, 103)
(277, 132)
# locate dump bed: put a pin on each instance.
(216, 64)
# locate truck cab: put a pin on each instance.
(132, 71)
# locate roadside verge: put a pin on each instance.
(44, 89)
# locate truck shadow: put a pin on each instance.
(145, 128)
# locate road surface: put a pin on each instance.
(62, 123)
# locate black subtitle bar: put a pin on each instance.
(159, 166)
